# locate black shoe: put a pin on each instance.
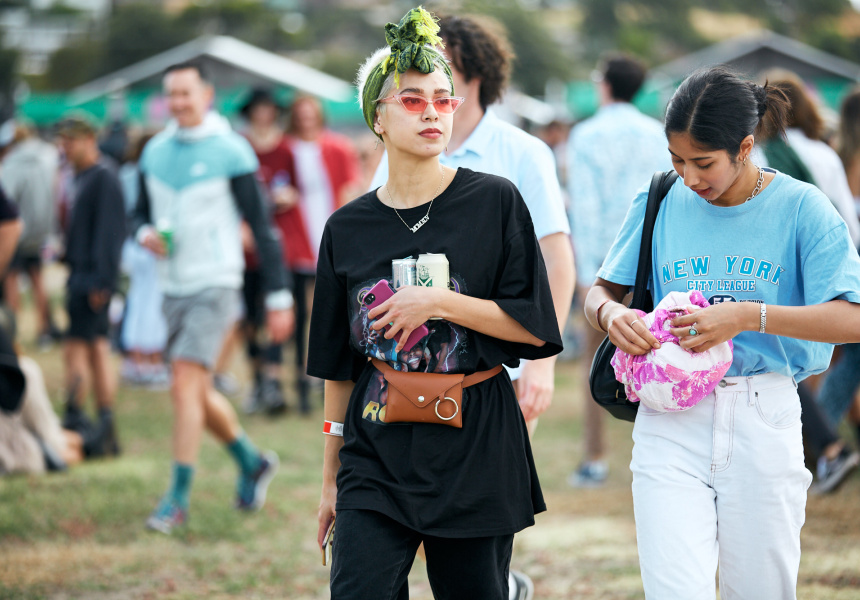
(102, 439)
(75, 419)
(831, 473)
(304, 396)
(110, 442)
(272, 396)
(53, 462)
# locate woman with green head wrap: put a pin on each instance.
(463, 492)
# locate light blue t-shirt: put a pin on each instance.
(787, 246)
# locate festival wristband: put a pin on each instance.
(333, 428)
(762, 317)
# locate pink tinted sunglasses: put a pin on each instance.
(418, 104)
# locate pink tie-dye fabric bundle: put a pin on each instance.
(671, 378)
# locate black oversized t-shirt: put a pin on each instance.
(470, 482)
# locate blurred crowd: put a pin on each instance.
(55, 177)
(68, 223)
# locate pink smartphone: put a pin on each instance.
(378, 294)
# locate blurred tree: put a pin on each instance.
(137, 31)
(8, 79)
(657, 30)
(74, 65)
(649, 29)
(539, 56)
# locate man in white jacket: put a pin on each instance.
(197, 184)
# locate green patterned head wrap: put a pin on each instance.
(412, 44)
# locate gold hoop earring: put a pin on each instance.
(745, 160)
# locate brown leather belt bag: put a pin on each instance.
(427, 397)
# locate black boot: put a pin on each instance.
(304, 396)
(110, 442)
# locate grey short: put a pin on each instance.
(197, 324)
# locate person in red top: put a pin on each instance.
(328, 175)
(277, 177)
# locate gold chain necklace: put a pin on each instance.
(426, 217)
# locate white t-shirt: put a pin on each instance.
(316, 198)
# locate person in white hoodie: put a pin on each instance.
(804, 135)
(197, 184)
(28, 174)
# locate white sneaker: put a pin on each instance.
(520, 586)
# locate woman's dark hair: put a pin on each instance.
(478, 47)
(718, 110)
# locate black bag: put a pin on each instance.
(605, 389)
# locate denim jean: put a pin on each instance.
(722, 483)
(840, 383)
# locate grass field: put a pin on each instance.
(80, 534)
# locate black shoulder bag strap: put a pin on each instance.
(605, 389)
(660, 184)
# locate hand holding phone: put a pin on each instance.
(378, 294)
(328, 541)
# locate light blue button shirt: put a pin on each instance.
(610, 156)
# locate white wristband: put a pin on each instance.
(279, 300)
(763, 319)
(333, 428)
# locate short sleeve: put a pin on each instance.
(538, 182)
(329, 353)
(831, 268)
(523, 290)
(622, 261)
(244, 160)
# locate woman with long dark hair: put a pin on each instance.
(724, 482)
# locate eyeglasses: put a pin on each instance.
(418, 104)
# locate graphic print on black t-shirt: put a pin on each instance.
(471, 482)
(438, 352)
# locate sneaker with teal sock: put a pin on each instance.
(172, 510)
(245, 454)
(167, 515)
(251, 488)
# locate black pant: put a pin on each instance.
(372, 556)
(817, 431)
(254, 295)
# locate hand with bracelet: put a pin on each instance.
(626, 330)
(705, 328)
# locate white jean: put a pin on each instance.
(723, 483)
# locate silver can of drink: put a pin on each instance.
(404, 272)
(433, 270)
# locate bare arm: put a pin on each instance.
(604, 311)
(834, 322)
(558, 257)
(10, 231)
(337, 395)
(411, 306)
(536, 383)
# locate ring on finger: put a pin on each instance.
(693, 331)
